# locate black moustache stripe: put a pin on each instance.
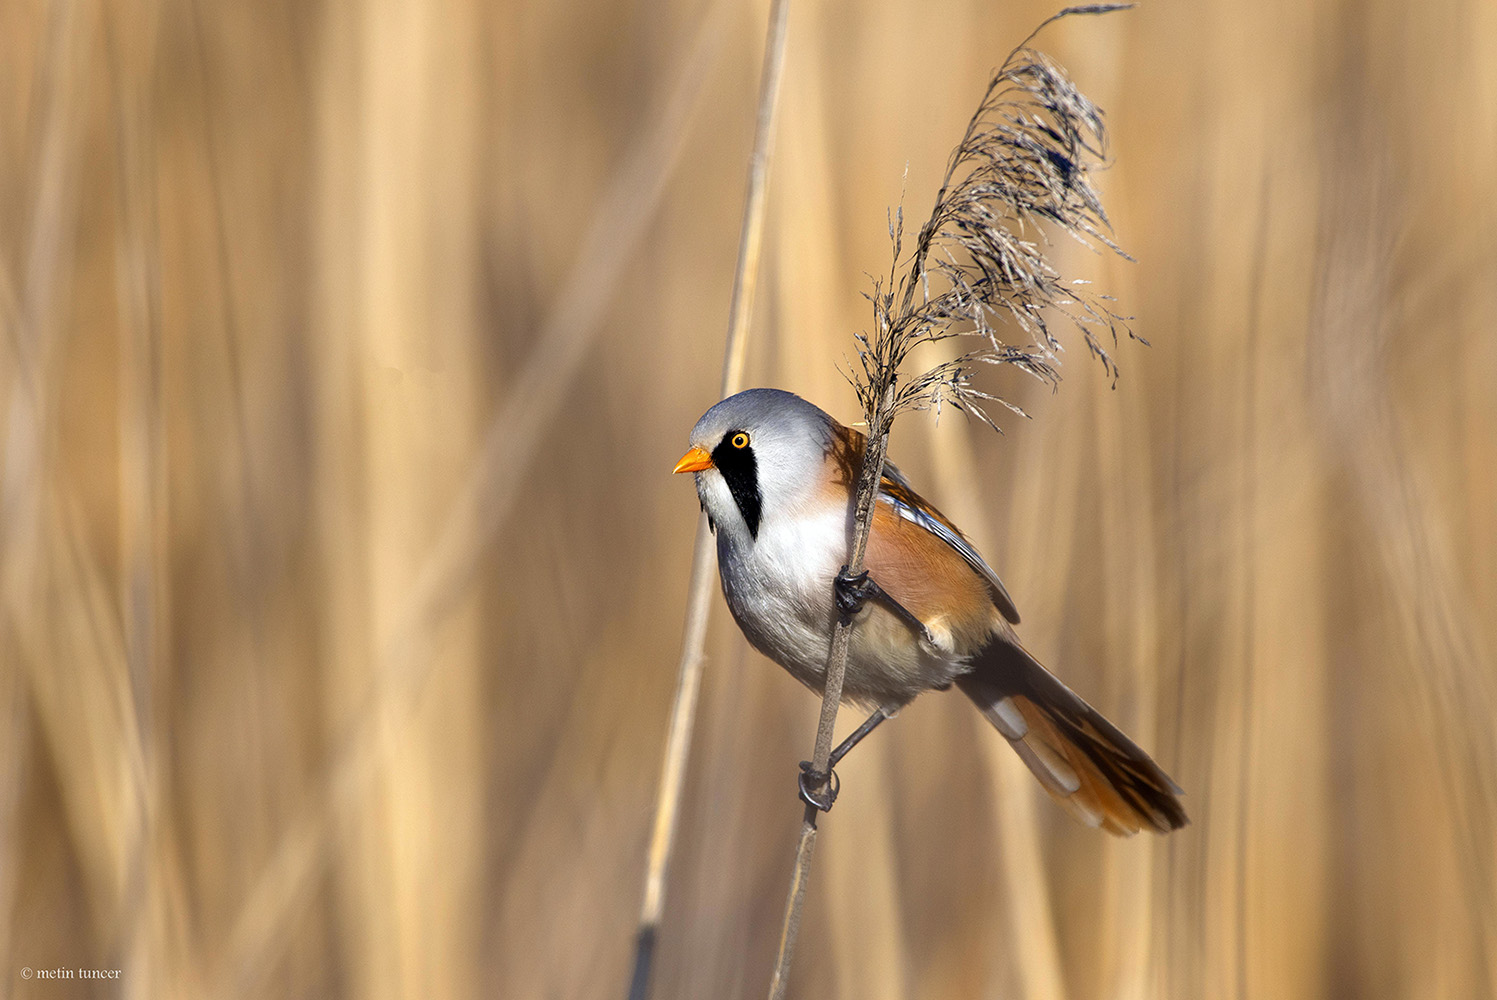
(741, 472)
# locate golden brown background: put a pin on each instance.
(346, 349)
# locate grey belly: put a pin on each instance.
(886, 665)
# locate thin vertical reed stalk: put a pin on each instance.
(1030, 927)
(1023, 159)
(1250, 530)
(699, 599)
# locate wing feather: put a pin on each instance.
(845, 453)
(896, 491)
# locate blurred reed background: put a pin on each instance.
(347, 347)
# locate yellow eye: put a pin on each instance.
(740, 440)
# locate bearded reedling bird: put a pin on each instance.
(775, 475)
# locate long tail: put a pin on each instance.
(1085, 762)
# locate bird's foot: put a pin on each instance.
(817, 789)
(852, 592)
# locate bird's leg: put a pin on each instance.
(852, 592)
(811, 779)
(856, 736)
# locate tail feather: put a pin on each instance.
(1099, 775)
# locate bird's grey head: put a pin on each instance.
(754, 454)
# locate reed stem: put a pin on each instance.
(699, 600)
(873, 470)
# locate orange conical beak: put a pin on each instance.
(694, 460)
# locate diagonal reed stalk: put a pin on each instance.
(699, 600)
(1023, 161)
(262, 928)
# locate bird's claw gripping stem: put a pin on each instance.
(852, 592)
(811, 780)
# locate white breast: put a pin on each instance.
(779, 587)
